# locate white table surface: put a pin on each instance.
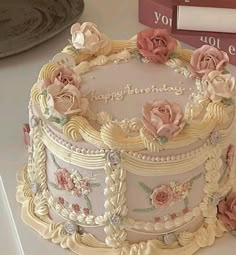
(118, 19)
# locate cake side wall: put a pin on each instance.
(162, 221)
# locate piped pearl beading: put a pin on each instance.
(69, 214)
(137, 155)
(163, 226)
(170, 158)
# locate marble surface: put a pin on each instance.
(118, 19)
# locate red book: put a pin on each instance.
(214, 17)
(205, 3)
(158, 14)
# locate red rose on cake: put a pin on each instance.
(207, 59)
(86, 37)
(227, 211)
(156, 44)
(62, 76)
(66, 101)
(218, 86)
(161, 195)
(163, 119)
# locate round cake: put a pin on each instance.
(129, 146)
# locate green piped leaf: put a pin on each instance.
(44, 93)
(89, 205)
(94, 184)
(54, 186)
(195, 178)
(145, 188)
(150, 209)
(226, 71)
(137, 55)
(174, 55)
(47, 112)
(54, 161)
(162, 139)
(233, 232)
(59, 121)
(72, 48)
(227, 101)
(186, 202)
(64, 120)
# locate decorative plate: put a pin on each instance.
(26, 23)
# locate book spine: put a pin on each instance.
(207, 3)
(155, 15)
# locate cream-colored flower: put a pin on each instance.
(218, 86)
(86, 37)
(66, 101)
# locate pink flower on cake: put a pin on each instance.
(161, 195)
(186, 186)
(26, 131)
(218, 86)
(86, 37)
(163, 118)
(66, 100)
(155, 44)
(207, 59)
(86, 211)
(77, 191)
(230, 156)
(64, 180)
(61, 201)
(227, 211)
(62, 76)
(76, 207)
(84, 184)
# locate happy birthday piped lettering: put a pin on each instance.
(129, 90)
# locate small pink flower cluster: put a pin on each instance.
(165, 194)
(67, 183)
(75, 207)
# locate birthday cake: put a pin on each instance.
(129, 145)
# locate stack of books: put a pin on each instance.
(194, 22)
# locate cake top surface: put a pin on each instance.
(121, 89)
(142, 93)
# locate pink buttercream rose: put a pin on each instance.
(66, 100)
(230, 156)
(207, 59)
(227, 211)
(218, 86)
(161, 195)
(62, 76)
(86, 37)
(163, 118)
(156, 44)
(64, 180)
